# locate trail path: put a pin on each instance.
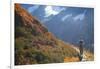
(87, 56)
(84, 53)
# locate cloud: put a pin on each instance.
(66, 17)
(51, 10)
(80, 16)
(33, 8)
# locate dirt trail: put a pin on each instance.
(84, 56)
(87, 56)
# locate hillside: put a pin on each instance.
(34, 44)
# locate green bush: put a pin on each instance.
(22, 32)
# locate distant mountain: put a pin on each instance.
(70, 29)
(34, 44)
(72, 32)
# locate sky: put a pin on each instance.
(70, 13)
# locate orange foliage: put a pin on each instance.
(71, 59)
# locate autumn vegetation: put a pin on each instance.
(34, 44)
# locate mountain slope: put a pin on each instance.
(34, 44)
